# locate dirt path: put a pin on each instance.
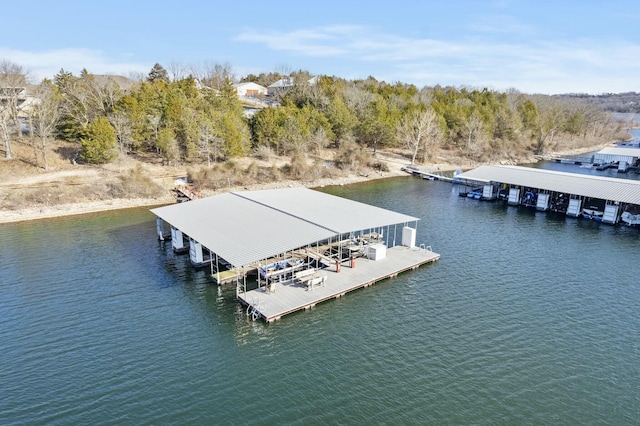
(84, 175)
(17, 177)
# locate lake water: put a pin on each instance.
(526, 318)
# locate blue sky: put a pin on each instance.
(533, 46)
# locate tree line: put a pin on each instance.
(627, 102)
(198, 117)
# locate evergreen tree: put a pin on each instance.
(100, 143)
(158, 73)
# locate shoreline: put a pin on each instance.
(72, 209)
(86, 207)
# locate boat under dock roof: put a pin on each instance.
(604, 188)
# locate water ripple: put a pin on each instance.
(526, 318)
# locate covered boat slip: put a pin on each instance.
(619, 157)
(279, 234)
(294, 295)
(596, 197)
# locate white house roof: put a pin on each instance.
(246, 227)
(605, 188)
(249, 84)
(288, 82)
(283, 82)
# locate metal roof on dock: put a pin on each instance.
(605, 188)
(625, 152)
(246, 227)
(338, 214)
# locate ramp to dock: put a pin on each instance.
(291, 297)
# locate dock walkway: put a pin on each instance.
(415, 171)
(291, 297)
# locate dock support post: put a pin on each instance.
(177, 240)
(195, 252)
(160, 228)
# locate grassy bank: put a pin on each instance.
(28, 192)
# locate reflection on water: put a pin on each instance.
(526, 318)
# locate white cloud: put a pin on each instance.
(46, 64)
(581, 65)
(306, 42)
(530, 64)
(500, 25)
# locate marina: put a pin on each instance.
(624, 157)
(604, 199)
(290, 249)
(470, 333)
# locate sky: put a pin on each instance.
(535, 46)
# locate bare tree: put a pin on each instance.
(474, 134)
(547, 124)
(103, 91)
(121, 123)
(283, 70)
(419, 131)
(214, 76)
(82, 98)
(5, 131)
(137, 76)
(45, 116)
(210, 145)
(424, 96)
(13, 81)
(318, 140)
(178, 71)
(358, 99)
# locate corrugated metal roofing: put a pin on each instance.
(335, 213)
(626, 152)
(247, 227)
(239, 230)
(605, 188)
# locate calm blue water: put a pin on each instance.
(527, 318)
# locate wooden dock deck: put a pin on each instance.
(291, 297)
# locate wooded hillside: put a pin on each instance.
(201, 121)
(628, 102)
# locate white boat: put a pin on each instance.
(630, 219)
(281, 267)
(592, 214)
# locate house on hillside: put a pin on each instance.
(20, 97)
(250, 90)
(285, 84)
(280, 86)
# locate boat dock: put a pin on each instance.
(416, 171)
(295, 241)
(566, 160)
(623, 158)
(605, 199)
(272, 303)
